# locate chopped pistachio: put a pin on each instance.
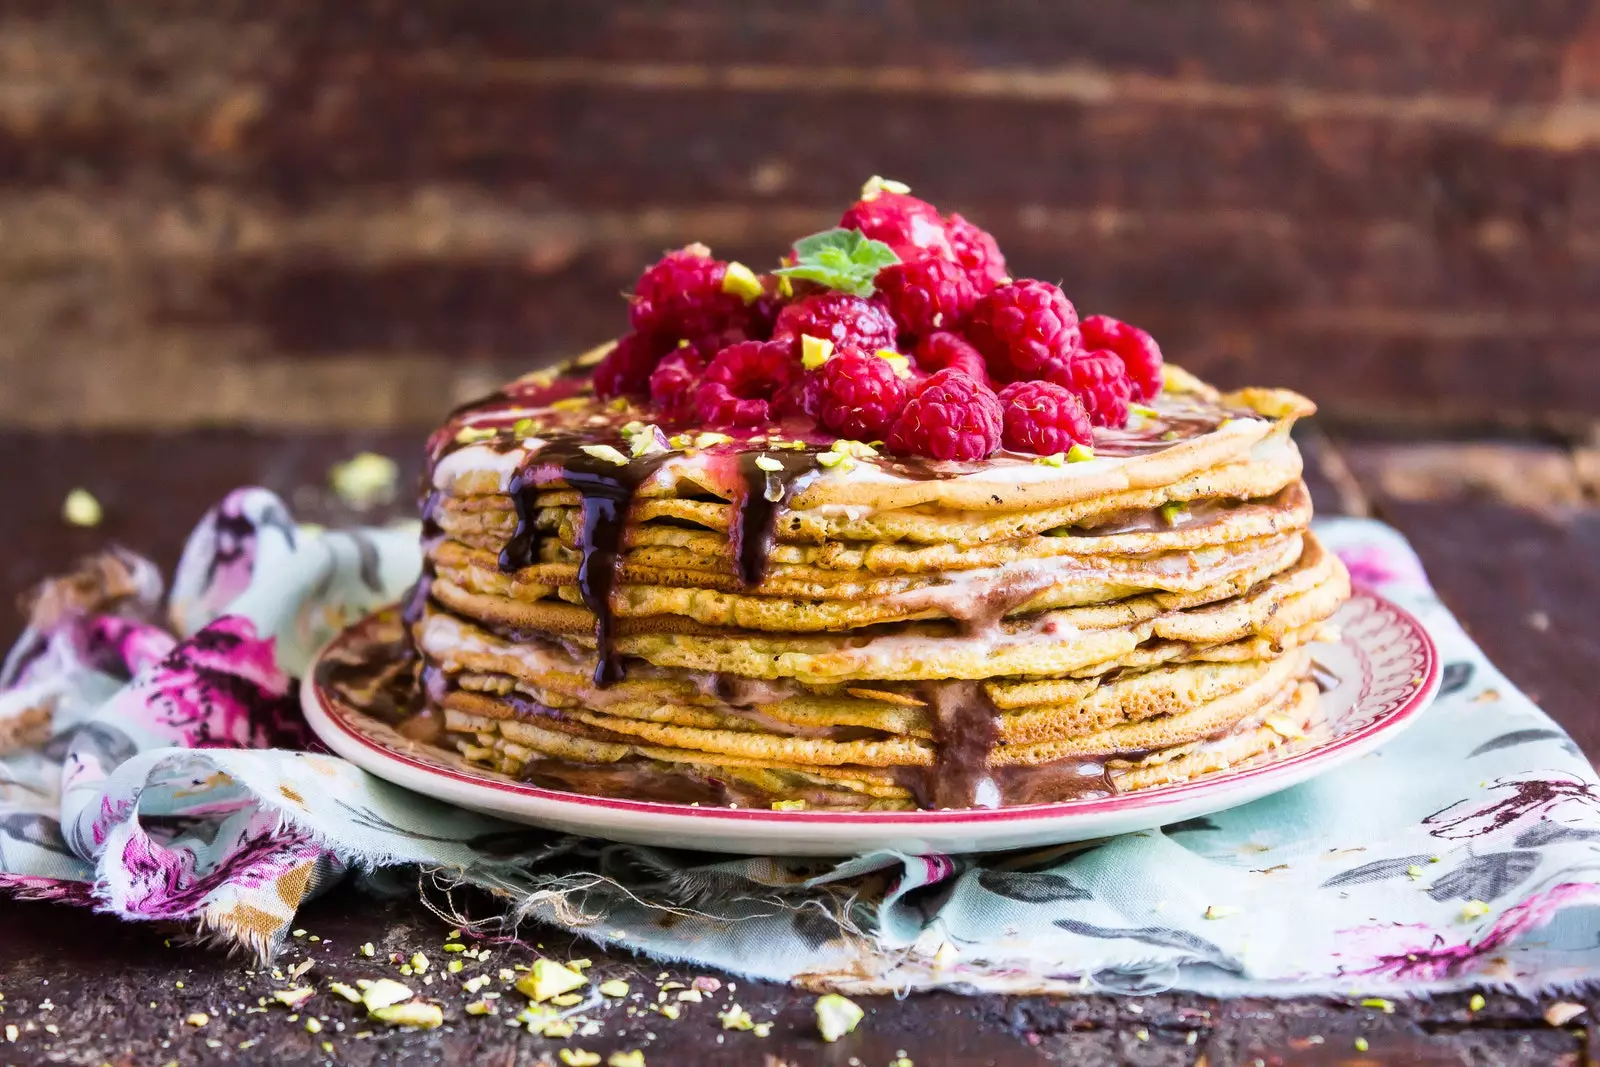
(680, 440)
(197, 1018)
(709, 438)
(767, 463)
(1474, 909)
(293, 998)
(567, 1000)
(366, 480)
(11, 1032)
(595, 354)
(740, 279)
(548, 979)
(1385, 1006)
(835, 459)
(577, 1057)
(454, 966)
(313, 1025)
(618, 404)
(669, 1010)
(383, 993)
(614, 987)
(1059, 459)
(1145, 410)
(859, 449)
(480, 1007)
(646, 442)
(1079, 454)
(630, 1058)
(1173, 512)
(1414, 871)
(368, 950)
(690, 996)
(80, 508)
(571, 403)
(1222, 911)
(347, 992)
(418, 1013)
(876, 187)
(788, 805)
(470, 434)
(1476, 1003)
(837, 1016)
(736, 1018)
(900, 363)
(557, 1028)
(606, 453)
(814, 351)
(1361, 1044)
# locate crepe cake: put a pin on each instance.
(634, 587)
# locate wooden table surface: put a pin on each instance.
(1508, 531)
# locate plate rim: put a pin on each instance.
(324, 721)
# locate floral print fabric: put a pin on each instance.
(154, 763)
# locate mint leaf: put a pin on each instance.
(840, 259)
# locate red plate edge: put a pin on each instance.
(1156, 797)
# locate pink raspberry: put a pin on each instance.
(978, 253)
(626, 368)
(953, 417)
(681, 297)
(1138, 350)
(1100, 381)
(927, 295)
(1043, 418)
(856, 396)
(739, 386)
(1025, 330)
(844, 319)
(673, 384)
(942, 349)
(910, 226)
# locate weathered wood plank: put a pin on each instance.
(1516, 51)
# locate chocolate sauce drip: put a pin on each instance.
(606, 489)
(966, 727)
(755, 511)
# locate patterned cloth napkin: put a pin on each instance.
(155, 765)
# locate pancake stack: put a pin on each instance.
(770, 618)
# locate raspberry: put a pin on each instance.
(1139, 351)
(738, 385)
(1043, 418)
(941, 349)
(978, 254)
(856, 396)
(627, 367)
(1099, 380)
(681, 297)
(1025, 330)
(673, 384)
(954, 417)
(846, 320)
(910, 226)
(927, 295)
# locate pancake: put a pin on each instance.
(770, 617)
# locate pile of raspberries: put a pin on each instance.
(949, 358)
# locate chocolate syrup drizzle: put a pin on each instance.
(755, 509)
(606, 490)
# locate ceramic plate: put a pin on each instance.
(1385, 666)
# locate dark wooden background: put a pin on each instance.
(352, 214)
